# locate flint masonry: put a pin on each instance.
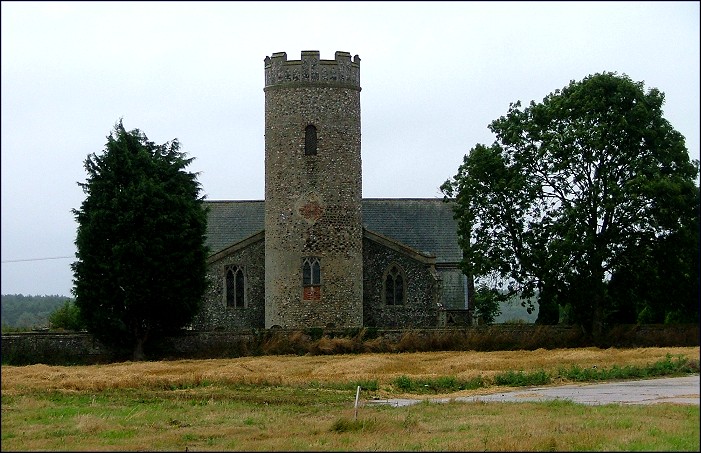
(314, 253)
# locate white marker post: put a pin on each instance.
(357, 395)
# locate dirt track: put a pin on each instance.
(680, 390)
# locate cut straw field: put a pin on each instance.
(292, 370)
(306, 403)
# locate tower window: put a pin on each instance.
(310, 141)
(394, 286)
(311, 279)
(235, 287)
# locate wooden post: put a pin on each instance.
(357, 395)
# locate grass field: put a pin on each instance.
(306, 403)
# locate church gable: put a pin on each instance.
(424, 224)
(401, 287)
(399, 248)
(235, 296)
(236, 248)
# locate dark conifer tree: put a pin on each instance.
(141, 259)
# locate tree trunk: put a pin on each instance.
(548, 311)
(598, 302)
(597, 320)
(139, 355)
(470, 298)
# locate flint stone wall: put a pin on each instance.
(214, 314)
(80, 348)
(422, 289)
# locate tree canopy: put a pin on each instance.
(141, 259)
(579, 202)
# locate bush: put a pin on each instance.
(66, 317)
(404, 383)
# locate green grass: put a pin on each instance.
(668, 366)
(320, 416)
(371, 385)
(444, 384)
(343, 425)
(259, 418)
(520, 378)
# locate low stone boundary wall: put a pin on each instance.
(66, 348)
(53, 348)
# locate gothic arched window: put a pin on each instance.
(394, 286)
(235, 287)
(310, 141)
(311, 279)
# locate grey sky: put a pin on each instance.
(433, 76)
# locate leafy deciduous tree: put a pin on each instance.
(140, 272)
(590, 184)
(486, 304)
(66, 317)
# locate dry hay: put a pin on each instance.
(294, 370)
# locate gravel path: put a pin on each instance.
(679, 390)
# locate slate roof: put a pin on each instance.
(229, 222)
(424, 224)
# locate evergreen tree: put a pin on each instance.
(140, 272)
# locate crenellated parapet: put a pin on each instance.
(311, 69)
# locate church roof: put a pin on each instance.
(424, 224)
(229, 222)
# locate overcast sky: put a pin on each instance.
(433, 76)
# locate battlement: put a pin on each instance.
(310, 69)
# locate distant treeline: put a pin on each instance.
(29, 312)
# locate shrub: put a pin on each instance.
(67, 317)
(403, 382)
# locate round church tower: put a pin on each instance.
(313, 192)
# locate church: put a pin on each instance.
(315, 253)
